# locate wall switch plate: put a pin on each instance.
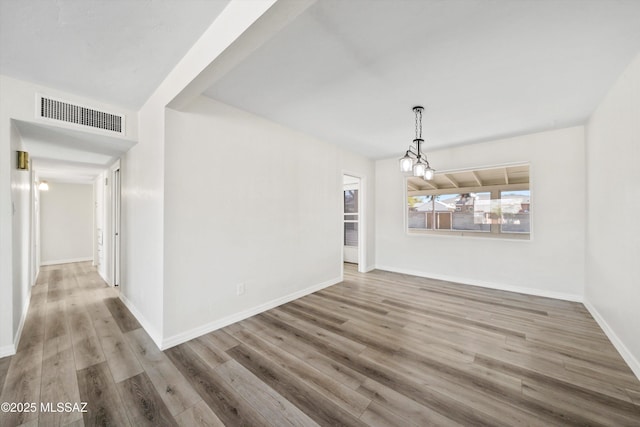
(240, 289)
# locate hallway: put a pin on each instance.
(73, 349)
(378, 349)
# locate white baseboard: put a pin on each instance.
(105, 278)
(23, 318)
(226, 321)
(10, 350)
(628, 357)
(7, 350)
(146, 325)
(66, 261)
(491, 285)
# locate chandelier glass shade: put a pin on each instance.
(414, 160)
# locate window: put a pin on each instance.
(492, 202)
(351, 234)
(351, 217)
(514, 211)
(350, 201)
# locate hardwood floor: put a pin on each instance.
(377, 349)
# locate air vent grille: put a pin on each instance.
(63, 111)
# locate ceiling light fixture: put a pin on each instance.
(414, 159)
(43, 186)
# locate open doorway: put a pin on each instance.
(352, 218)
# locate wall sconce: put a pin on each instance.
(43, 186)
(23, 160)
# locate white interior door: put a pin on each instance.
(351, 218)
(116, 227)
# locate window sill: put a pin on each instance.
(473, 234)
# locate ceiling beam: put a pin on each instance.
(240, 30)
(477, 178)
(437, 191)
(451, 180)
(433, 186)
(412, 186)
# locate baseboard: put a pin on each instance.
(104, 277)
(7, 350)
(628, 357)
(226, 321)
(146, 325)
(66, 261)
(10, 350)
(490, 285)
(23, 318)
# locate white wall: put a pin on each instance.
(35, 228)
(142, 168)
(551, 263)
(246, 201)
(142, 188)
(21, 237)
(613, 203)
(66, 223)
(101, 231)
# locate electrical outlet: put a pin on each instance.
(240, 289)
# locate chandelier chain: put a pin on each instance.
(416, 161)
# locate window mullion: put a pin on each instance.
(495, 225)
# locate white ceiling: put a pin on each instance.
(350, 71)
(115, 51)
(69, 155)
(346, 71)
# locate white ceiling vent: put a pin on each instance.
(53, 109)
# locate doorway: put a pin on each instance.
(351, 217)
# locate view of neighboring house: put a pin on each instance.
(471, 212)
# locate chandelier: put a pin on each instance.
(414, 159)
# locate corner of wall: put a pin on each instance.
(7, 350)
(626, 354)
(611, 252)
(146, 325)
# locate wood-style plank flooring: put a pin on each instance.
(377, 349)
